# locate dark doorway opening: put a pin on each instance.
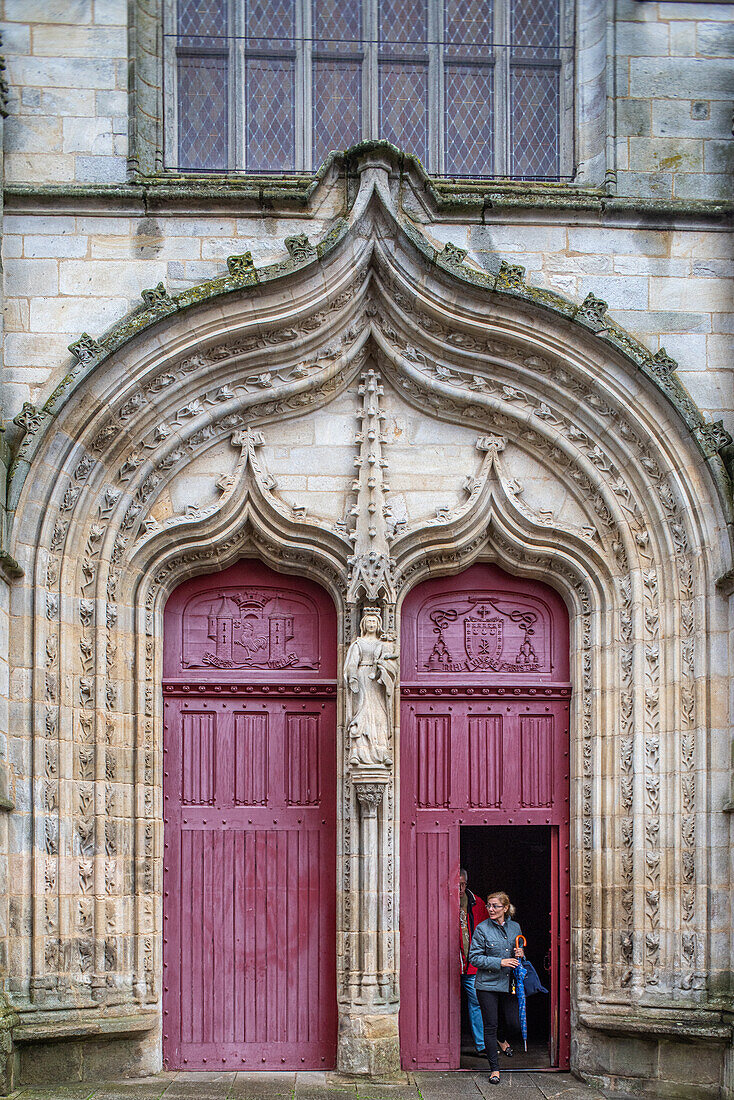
(517, 859)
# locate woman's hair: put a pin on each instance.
(502, 896)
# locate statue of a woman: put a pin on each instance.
(370, 673)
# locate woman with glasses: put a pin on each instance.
(495, 956)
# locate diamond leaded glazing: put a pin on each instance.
(270, 114)
(467, 28)
(337, 107)
(404, 107)
(202, 120)
(363, 68)
(534, 123)
(270, 24)
(535, 27)
(403, 28)
(202, 22)
(469, 120)
(337, 25)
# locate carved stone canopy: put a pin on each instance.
(95, 527)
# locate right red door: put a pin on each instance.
(485, 699)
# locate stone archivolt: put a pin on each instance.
(637, 576)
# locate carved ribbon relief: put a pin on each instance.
(483, 634)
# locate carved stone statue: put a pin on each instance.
(370, 673)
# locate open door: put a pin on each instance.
(526, 862)
(485, 701)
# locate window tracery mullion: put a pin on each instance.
(170, 99)
(304, 88)
(436, 88)
(501, 54)
(427, 87)
(239, 125)
(235, 150)
(370, 80)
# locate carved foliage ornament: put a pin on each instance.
(489, 647)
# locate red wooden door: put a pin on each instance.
(484, 741)
(249, 873)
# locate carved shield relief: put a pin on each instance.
(483, 640)
(492, 628)
(249, 624)
(250, 628)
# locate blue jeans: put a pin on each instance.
(475, 1012)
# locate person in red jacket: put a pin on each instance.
(472, 911)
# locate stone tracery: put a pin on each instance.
(616, 464)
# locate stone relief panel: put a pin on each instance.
(429, 461)
(311, 458)
(544, 493)
(484, 634)
(256, 628)
(197, 486)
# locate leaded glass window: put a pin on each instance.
(470, 87)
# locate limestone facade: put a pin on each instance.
(184, 367)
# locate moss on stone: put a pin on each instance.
(509, 281)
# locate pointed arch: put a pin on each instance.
(558, 383)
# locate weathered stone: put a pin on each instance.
(634, 117)
(694, 78)
(123, 463)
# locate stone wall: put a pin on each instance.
(68, 72)
(69, 273)
(663, 68)
(673, 86)
(124, 462)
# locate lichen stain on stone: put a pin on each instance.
(671, 163)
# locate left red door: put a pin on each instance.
(249, 874)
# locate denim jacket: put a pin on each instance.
(491, 943)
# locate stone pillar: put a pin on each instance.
(370, 785)
(368, 1031)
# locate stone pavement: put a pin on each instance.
(321, 1086)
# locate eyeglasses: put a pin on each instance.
(490, 906)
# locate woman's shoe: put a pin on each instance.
(494, 1077)
(507, 1051)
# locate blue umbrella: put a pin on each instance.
(519, 975)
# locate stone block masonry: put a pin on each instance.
(67, 71)
(674, 81)
(67, 274)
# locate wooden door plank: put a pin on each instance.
(251, 863)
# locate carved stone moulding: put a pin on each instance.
(104, 566)
(370, 785)
(358, 240)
